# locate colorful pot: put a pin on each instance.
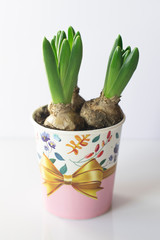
(77, 169)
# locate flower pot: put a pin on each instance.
(77, 169)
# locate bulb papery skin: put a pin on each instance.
(41, 114)
(102, 112)
(77, 101)
(63, 117)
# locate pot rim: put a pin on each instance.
(34, 123)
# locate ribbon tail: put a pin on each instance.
(88, 192)
(51, 187)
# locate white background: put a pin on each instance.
(24, 87)
(135, 210)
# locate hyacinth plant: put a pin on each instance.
(68, 110)
(62, 58)
(105, 111)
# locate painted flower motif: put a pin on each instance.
(56, 137)
(111, 158)
(116, 148)
(117, 135)
(46, 148)
(45, 136)
(52, 144)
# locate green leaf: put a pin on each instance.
(71, 78)
(125, 55)
(76, 35)
(52, 160)
(52, 73)
(127, 48)
(125, 74)
(64, 60)
(57, 39)
(54, 48)
(96, 138)
(63, 169)
(61, 38)
(102, 162)
(118, 42)
(71, 34)
(115, 66)
(58, 156)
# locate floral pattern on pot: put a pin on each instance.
(68, 152)
(81, 142)
(48, 143)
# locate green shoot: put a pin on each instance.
(62, 59)
(124, 75)
(121, 66)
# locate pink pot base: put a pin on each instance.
(66, 202)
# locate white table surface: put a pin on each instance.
(135, 212)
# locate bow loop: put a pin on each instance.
(49, 171)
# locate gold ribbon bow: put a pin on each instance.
(86, 180)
